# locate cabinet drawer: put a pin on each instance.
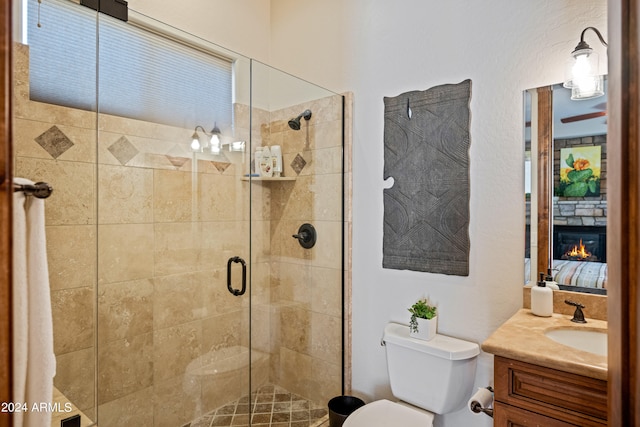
(559, 394)
(510, 416)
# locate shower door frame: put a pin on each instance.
(344, 239)
(202, 176)
(6, 197)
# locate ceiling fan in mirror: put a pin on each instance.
(586, 116)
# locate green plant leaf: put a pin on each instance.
(570, 160)
(422, 310)
(578, 176)
(577, 189)
(592, 186)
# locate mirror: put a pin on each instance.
(565, 189)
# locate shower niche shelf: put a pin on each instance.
(268, 178)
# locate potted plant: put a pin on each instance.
(424, 320)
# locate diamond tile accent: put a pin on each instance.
(178, 162)
(54, 141)
(123, 150)
(221, 166)
(298, 164)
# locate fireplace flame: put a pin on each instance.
(579, 251)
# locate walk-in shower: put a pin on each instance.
(143, 230)
(295, 123)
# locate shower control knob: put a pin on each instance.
(306, 236)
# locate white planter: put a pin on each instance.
(426, 329)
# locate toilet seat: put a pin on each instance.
(384, 413)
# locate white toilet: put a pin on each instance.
(429, 377)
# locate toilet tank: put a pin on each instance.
(435, 375)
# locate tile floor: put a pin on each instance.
(273, 407)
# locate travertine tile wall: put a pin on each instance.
(70, 225)
(134, 226)
(167, 226)
(306, 326)
(138, 240)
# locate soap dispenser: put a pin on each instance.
(550, 282)
(542, 299)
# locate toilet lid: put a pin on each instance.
(384, 413)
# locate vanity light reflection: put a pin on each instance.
(214, 145)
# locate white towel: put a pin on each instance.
(34, 363)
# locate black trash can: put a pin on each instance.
(340, 407)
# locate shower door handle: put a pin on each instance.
(237, 292)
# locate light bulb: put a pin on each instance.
(581, 68)
(195, 144)
(215, 144)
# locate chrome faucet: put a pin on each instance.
(578, 315)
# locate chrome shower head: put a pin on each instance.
(295, 123)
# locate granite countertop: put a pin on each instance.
(522, 338)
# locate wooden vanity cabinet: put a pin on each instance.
(531, 395)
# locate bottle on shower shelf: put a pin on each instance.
(266, 163)
(276, 157)
(257, 159)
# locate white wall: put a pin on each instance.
(381, 48)
(239, 25)
(378, 48)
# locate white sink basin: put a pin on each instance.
(582, 339)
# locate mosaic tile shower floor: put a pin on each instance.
(273, 407)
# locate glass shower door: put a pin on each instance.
(54, 139)
(297, 248)
(173, 227)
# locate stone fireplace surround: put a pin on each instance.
(576, 219)
(593, 237)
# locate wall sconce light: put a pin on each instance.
(236, 146)
(214, 144)
(582, 74)
(214, 140)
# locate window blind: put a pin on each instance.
(90, 61)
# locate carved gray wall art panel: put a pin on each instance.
(426, 151)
